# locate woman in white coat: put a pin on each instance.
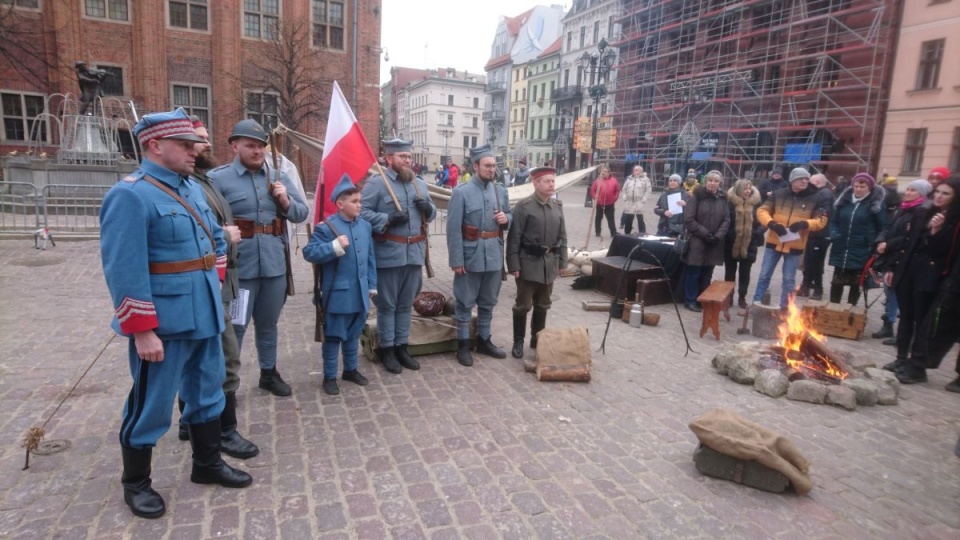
(636, 189)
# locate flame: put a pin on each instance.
(791, 333)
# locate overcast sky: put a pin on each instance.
(445, 33)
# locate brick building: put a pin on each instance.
(208, 57)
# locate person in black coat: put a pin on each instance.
(930, 252)
(706, 219)
(772, 184)
(859, 216)
(818, 243)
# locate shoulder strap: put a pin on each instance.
(185, 204)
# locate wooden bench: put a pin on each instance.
(718, 297)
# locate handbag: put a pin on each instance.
(681, 246)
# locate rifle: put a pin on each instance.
(318, 300)
(423, 217)
(275, 155)
(503, 270)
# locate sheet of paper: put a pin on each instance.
(789, 237)
(238, 307)
(672, 205)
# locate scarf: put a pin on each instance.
(907, 205)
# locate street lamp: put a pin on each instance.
(446, 141)
(597, 67)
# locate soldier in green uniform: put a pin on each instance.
(536, 251)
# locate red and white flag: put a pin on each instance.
(345, 150)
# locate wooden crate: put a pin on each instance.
(654, 292)
(837, 320)
(607, 272)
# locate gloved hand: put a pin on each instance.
(777, 228)
(398, 218)
(712, 239)
(423, 206)
(799, 226)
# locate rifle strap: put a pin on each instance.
(186, 205)
(325, 302)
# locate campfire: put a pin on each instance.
(801, 353)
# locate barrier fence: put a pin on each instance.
(61, 208)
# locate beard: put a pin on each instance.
(205, 161)
(405, 174)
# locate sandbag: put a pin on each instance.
(730, 434)
(563, 354)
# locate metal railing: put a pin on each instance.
(61, 208)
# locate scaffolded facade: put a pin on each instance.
(752, 86)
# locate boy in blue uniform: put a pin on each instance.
(342, 245)
(164, 257)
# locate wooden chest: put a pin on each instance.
(654, 292)
(837, 320)
(607, 273)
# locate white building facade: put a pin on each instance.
(443, 115)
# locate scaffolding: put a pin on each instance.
(752, 86)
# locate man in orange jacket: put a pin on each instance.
(790, 215)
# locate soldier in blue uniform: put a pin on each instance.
(342, 245)
(260, 205)
(478, 214)
(399, 241)
(163, 259)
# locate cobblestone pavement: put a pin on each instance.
(448, 451)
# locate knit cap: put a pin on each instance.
(799, 174)
(921, 186)
(863, 177)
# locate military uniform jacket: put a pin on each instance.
(377, 207)
(473, 204)
(348, 274)
(537, 223)
(220, 208)
(140, 224)
(262, 255)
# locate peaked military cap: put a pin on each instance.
(542, 171)
(480, 152)
(345, 184)
(392, 146)
(173, 124)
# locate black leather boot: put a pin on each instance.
(271, 381)
(182, 432)
(208, 466)
(388, 355)
(519, 332)
(463, 352)
(231, 442)
(405, 359)
(537, 323)
(140, 497)
(486, 346)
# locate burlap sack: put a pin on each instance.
(732, 435)
(563, 354)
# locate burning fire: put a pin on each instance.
(793, 332)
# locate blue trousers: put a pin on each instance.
(892, 307)
(479, 289)
(341, 333)
(267, 296)
(192, 367)
(396, 289)
(790, 264)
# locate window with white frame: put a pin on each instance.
(191, 14)
(27, 4)
(261, 18)
(194, 100)
(328, 24)
(114, 10)
(20, 113)
(264, 107)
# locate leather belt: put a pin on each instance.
(489, 234)
(377, 237)
(206, 262)
(249, 228)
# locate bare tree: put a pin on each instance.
(290, 72)
(22, 45)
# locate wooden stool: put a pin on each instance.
(717, 298)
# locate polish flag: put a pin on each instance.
(345, 150)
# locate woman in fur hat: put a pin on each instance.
(743, 237)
